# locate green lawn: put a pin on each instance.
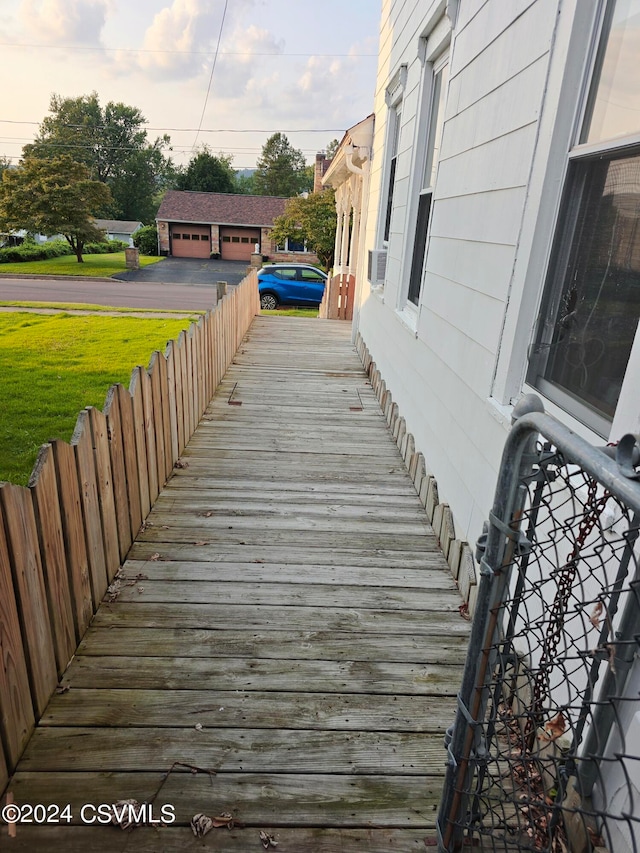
(53, 366)
(93, 265)
(291, 312)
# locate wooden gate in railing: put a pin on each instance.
(64, 537)
(337, 301)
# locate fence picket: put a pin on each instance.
(172, 392)
(130, 456)
(75, 541)
(82, 444)
(158, 424)
(4, 770)
(191, 385)
(48, 520)
(22, 543)
(116, 451)
(16, 711)
(135, 390)
(149, 434)
(183, 407)
(102, 459)
(163, 374)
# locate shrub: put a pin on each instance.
(146, 239)
(30, 251)
(105, 247)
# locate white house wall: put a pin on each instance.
(441, 362)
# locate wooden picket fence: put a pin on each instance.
(64, 537)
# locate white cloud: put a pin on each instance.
(64, 21)
(180, 41)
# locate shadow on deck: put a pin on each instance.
(284, 645)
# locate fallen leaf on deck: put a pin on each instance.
(225, 819)
(201, 824)
(181, 464)
(121, 813)
(154, 557)
(267, 840)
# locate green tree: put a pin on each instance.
(245, 185)
(332, 147)
(5, 163)
(146, 239)
(280, 168)
(112, 143)
(53, 196)
(311, 220)
(208, 173)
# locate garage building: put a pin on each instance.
(199, 225)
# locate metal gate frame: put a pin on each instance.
(535, 439)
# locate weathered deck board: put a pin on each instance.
(285, 625)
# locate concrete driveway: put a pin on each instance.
(192, 271)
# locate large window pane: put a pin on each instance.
(614, 103)
(593, 293)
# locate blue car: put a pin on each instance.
(290, 284)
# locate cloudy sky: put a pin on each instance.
(282, 65)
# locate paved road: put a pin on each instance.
(174, 283)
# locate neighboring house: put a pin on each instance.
(319, 170)
(197, 225)
(348, 174)
(118, 229)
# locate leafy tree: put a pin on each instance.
(53, 196)
(281, 168)
(112, 143)
(245, 184)
(146, 239)
(311, 220)
(332, 147)
(208, 173)
(5, 163)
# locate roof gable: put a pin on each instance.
(220, 208)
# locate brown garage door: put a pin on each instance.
(190, 241)
(237, 244)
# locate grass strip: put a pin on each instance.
(100, 266)
(52, 366)
(97, 309)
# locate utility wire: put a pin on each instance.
(213, 68)
(101, 49)
(200, 130)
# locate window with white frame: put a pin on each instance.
(394, 138)
(291, 245)
(591, 303)
(438, 73)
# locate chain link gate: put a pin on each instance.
(544, 754)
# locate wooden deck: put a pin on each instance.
(285, 646)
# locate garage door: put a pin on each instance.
(190, 241)
(237, 244)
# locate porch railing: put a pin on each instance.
(339, 295)
(545, 750)
(64, 537)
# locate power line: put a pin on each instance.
(201, 130)
(213, 68)
(101, 49)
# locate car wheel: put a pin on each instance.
(268, 302)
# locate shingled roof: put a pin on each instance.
(220, 208)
